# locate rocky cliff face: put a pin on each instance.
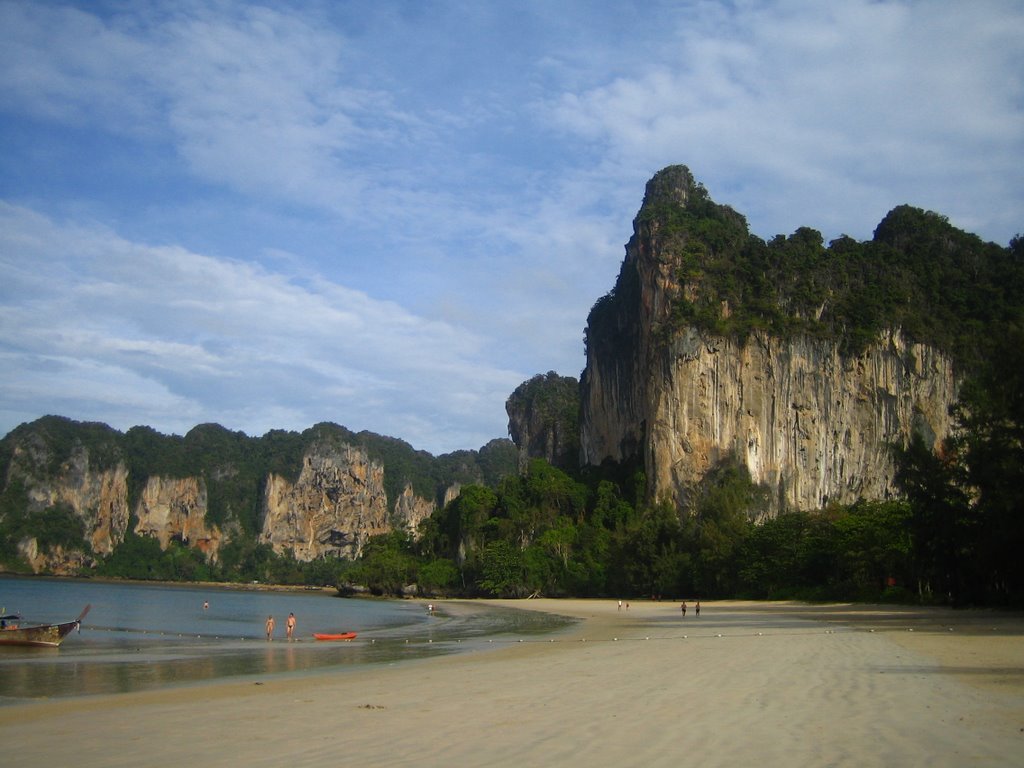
(543, 420)
(807, 422)
(336, 504)
(54, 561)
(411, 510)
(175, 509)
(98, 496)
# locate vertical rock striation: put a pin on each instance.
(335, 505)
(68, 472)
(809, 423)
(410, 511)
(805, 421)
(98, 496)
(174, 509)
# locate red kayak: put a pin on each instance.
(334, 636)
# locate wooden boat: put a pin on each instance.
(334, 635)
(37, 635)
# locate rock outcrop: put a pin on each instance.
(452, 493)
(53, 561)
(335, 505)
(543, 420)
(811, 424)
(174, 509)
(98, 496)
(410, 511)
(69, 472)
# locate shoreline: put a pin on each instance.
(771, 683)
(225, 585)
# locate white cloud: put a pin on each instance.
(193, 338)
(827, 114)
(259, 101)
(64, 64)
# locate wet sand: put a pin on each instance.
(767, 684)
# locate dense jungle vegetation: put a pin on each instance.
(942, 286)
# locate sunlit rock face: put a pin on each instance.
(99, 496)
(335, 505)
(75, 478)
(54, 561)
(174, 509)
(411, 510)
(809, 423)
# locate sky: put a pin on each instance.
(388, 215)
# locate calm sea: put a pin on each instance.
(139, 636)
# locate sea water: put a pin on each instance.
(140, 636)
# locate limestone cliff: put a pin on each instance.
(66, 490)
(452, 493)
(811, 422)
(335, 505)
(70, 481)
(174, 509)
(411, 510)
(543, 420)
(53, 561)
(98, 495)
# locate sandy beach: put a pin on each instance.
(766, 684)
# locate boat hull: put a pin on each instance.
(46, 636)
(334, 636)
(40, 635)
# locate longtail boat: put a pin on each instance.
(38, 635)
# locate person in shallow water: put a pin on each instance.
(270, 627)
(289, 626)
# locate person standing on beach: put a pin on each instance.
(289, 626)
(683, 608)
(696, 608)
(270, 628)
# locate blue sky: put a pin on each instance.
(390, 214)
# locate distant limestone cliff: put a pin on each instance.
(73, 492)
(715, 346)
(337, 502)
(41, 488)
(543, 420)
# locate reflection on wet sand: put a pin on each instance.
(137, 661)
